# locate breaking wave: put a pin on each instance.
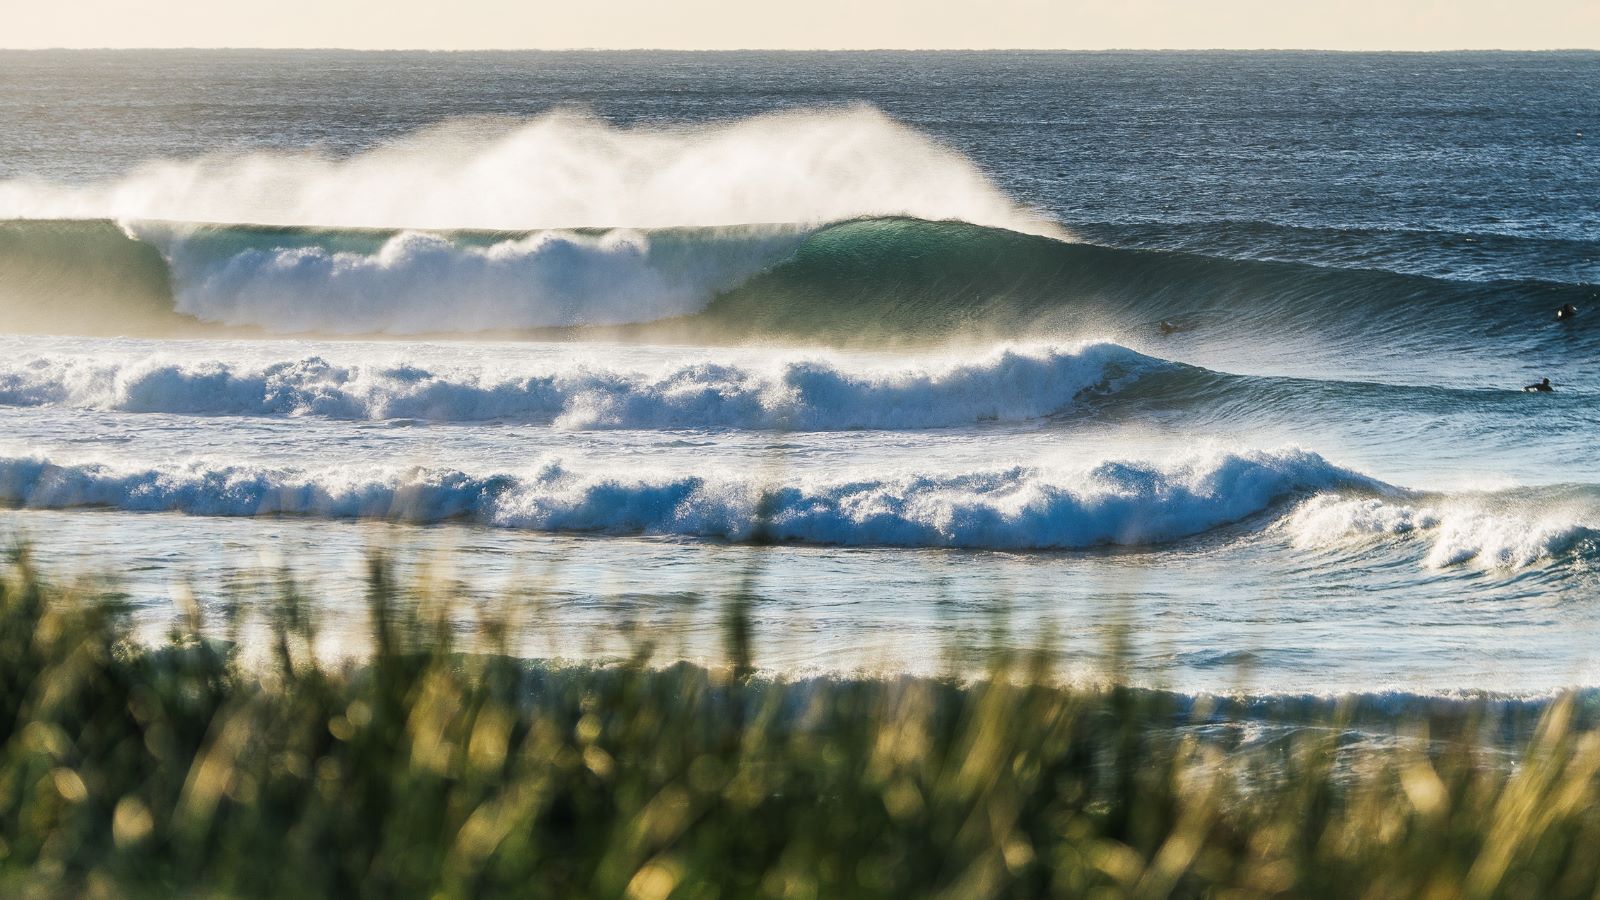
(409, 282)
(804, 393)
(1117, 502)
(865, 282)
(1489, 531)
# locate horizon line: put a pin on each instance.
(319, 49)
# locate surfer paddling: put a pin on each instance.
(1542, 387)
(1566, 313)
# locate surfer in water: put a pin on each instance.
(1566, 313)
(1542, 387)
(1167, 327)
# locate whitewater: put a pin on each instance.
(894, 358)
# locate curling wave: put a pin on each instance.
(1117, 502)
(888, 279)
(859, 282)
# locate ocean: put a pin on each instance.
(1206, 365)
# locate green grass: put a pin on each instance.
(129, 771)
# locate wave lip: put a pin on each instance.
(1117, 502)
(809, 394)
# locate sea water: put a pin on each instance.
(1216, 358)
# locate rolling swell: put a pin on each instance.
(886, 278)
(1472, 254)
(859, 282)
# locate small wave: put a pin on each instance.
(1505, 720)
(810, 394)
(1118, 502)
(1487, 531)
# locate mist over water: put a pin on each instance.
(561, 170)
(958, 332)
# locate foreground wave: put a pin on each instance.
(1115, 502)
(1315, 506)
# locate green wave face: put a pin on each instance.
(879, 280)
(84, 277)
(871, 282)
(883, 279)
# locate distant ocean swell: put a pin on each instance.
(1549, 252)
(859, 281)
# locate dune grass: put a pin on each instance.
(424, 771)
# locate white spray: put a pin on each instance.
(563, 170)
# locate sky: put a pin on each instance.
(809, 24)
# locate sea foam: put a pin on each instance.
(417, 282)
(1126, 502)
(799, 392)
(1481, 531)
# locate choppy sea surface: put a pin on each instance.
(1216, 357)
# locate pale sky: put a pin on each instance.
(808, 24)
